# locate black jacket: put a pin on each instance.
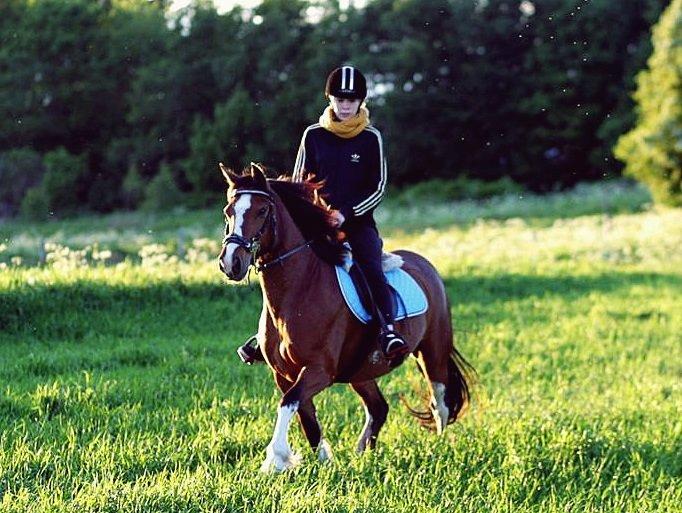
(354, 169)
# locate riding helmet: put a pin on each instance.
(346, 82)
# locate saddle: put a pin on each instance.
(409, 298)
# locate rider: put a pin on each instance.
(345, 151)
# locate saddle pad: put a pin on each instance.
(411, 301)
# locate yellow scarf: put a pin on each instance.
(347, 128)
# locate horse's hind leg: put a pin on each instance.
(376, 410)
(435, 370)
(446, 371)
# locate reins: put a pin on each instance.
(262, 267)
(253, 245)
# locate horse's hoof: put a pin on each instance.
(324, 451)
(276, 462)
(365, 443)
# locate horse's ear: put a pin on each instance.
(230, 177)
(258, 174)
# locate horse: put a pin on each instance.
(308, 337)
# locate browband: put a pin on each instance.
(251, 191)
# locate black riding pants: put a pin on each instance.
(367, 245)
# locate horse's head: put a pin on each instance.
(249, 218)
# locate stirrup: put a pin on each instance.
(250, 353)
(392, 345)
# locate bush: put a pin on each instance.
(57, 192)
(438, 190)
(20, 169)
(36, 205)
(132, 189)
(652, 151)
(162, 192)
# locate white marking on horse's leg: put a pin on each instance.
(324, 451)
(278, 455)
(240, 208)
(363, 442)
(438, 408)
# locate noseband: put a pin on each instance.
(252, 245)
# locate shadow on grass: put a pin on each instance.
(85, 310)
(511, 287)
(81, 311)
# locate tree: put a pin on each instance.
(652, 151)
(162, 192)
(229, 138)
(56, 195)
(20, 170)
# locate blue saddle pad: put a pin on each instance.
(412, 300)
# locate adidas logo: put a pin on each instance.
(355, 157)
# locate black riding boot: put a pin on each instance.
(392, 344)
(250, 352)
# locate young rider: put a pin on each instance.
(345, 151)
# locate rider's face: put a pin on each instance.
(344, 108)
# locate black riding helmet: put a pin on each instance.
(346, 82)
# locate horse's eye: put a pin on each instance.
(262, 212)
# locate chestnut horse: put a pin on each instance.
(308, 336)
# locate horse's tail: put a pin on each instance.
(450, 375)
(461, 375)
(457, 391)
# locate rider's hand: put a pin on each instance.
(337, 218)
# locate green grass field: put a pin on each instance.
(121, 390)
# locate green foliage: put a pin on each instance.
(58, 87)
(479, 89)
(652, 151)
(162, 193)
(461, 188)
(132, 189)
(36, 204)
(20, 169)
(226, 139)
(57, 193)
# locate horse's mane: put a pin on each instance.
(309, 211)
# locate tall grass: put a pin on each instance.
(121, 390)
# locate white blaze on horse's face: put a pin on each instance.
(240, 207)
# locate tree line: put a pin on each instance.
(114, 104)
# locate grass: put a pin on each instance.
(121, 390)
(126, 233)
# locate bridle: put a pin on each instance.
(252, 245)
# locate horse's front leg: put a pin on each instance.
(307, 416)
(298, 398)
(313, 431)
